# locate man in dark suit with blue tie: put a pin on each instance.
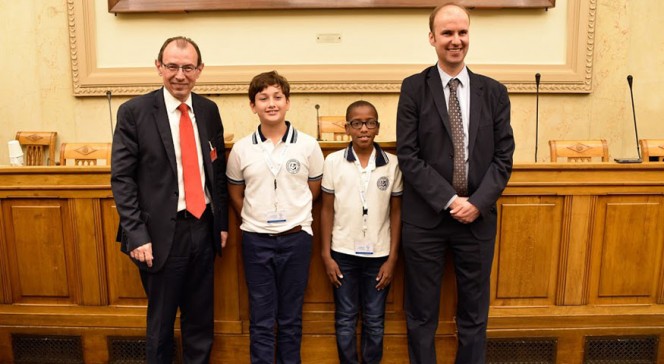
(455, 146)
(169, 184)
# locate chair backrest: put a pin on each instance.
(36, 145)
(652, 149)
(579, 150)
(85, 154)
(332, 128)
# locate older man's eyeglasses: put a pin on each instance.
(189, 68)
(357, 124)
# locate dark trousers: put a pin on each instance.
(185, 282)
(424, 254)
(358, 293)
(276, 269)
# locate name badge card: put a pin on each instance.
(275, 217)
(364, 247)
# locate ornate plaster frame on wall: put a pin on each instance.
(574, 76)
(137, 6)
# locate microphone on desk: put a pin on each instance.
(110, 111)
(636, 129)
(317, 122)
(537, 84)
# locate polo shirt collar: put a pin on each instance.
(284, 138)
(381, 157)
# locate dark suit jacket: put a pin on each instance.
(144, 173)
(426, 153)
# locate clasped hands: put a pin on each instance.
(463, 211)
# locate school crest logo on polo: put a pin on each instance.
(383, 183)
(293, 166)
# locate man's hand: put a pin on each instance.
(463, 211)
(224, 238)
(143, 254)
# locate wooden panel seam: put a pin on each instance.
(101, 258)
(564, 251)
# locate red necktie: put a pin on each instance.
(193, 187)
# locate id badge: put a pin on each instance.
(275, 217)
(213, 152)
(364, 247)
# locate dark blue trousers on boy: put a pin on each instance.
(276, 268)
(357, 294)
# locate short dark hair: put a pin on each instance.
(181, 42)
(262, 81)
(360, 103)
(435, 11)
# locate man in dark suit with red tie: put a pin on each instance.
(169, 184)
(455, 146)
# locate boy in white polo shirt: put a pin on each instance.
(360, 232)
(274, 174)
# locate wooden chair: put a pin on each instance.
(652, 150)
(332, 128)
(35, 146)
(85, 154)
(579, 150)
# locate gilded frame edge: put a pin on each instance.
(143, 6)
(575, 76)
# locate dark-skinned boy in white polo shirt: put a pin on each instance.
(360, 232)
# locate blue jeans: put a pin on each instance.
(276, 269)
(358, 293)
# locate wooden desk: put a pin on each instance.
(578, 254)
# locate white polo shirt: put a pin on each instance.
(342, 177)
(276, 196)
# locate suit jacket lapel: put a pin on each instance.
(203, 138)
(438, 95)
(476, 97)
(164, 128)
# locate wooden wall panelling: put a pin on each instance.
(5, 347)
(575, 244)
(227, 299)
(527, 251)
(627, 250)
(41, 253)
(87, 232)
(579, 252)
(123, 280)
(318, 298)
(230, 348)
(660, 288)
(98, 341)
(5, 283)
(395, 319)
